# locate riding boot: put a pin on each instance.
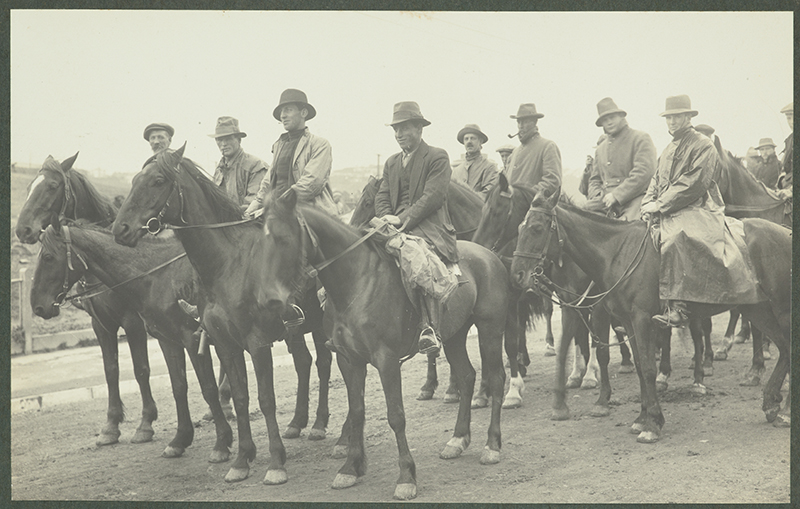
(676, 315)
(429, 339)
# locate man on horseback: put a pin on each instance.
(701, 261)
(301, 160)
(238, 172)
(537, 161)
(475, 171)
(583, 186)
(623, 165)
(769, 168)
(505, 155)
(413, 198)
(785, 179)
(159, 135)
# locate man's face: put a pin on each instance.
(505, 156)
(765, 152)
(408, 135)
(293, 117)
(526, 125)
(229, 145)
(159, 140)
(677, 122)
(612, 123)
(472, 143)
(790, 119)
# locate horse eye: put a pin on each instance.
(52, 185)
(47, 257)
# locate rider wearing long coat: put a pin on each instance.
(701, 261)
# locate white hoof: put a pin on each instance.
(637, 428)
(275, 476)
(479, 402)
(172, 452)
(699, 389)
(237, 474)
(647, 437)
(405, 491)
(339, 452)
(489, 456)
(343, 481)
(316, 434)
(454, 448)
(588, 383)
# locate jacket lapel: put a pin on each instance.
(417, 164)
(395, 167)
(299, 150)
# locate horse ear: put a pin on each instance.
(180, 151)
(67, 164)
(552, 201)
(503, 182)
(288, 199)
(55, 223)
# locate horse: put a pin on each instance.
(624, 264)
(225, 252)
(71, 251)
(465, 207)
(375, 322)
(57, 190)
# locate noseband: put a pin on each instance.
(155, 225)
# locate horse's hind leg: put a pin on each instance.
(695, 328)
(590, 356)
(262, 364)
(456, 351)
(513, 399)
(137, 341)
(664, 338)
(355, 465)
(548, 318)
(492, 358)
(708, 354)
(116, 412)
(571, 328)
(224, 389)
(324, 360)
(431, 380)
(176, 364)
(601, 323)
(766, 324)
(721, 353)
(302, 366)
(757, 368)
(560, 408)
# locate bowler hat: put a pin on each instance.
(405, 111)
(765, 142)
(705, 129)
(227, 126)
(607, 106)
(158, 126)
(677, 104)
(294, 96)
(527, 110)
(508, 148)
(474, 129)
(789, 108)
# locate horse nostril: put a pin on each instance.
(38, 311)
(520, 277)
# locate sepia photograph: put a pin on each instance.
(495, 257)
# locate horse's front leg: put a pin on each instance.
(757, 369)
(516, 386)
(560, 408)
(231, 357)
(649, 423)
(601, 323)
(354, 374)
(116, 412)
(695, 328)
(665, 365)
(548, 318)
(302, 366)
(324, 361)
(456, 351)
(431, 379)
(137, 342)
(261, 353)
(176, 365)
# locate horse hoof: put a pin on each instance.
(708, 371)
(107, 439)
(172, 452)
(588, 384)
(208, 416)
(275, 476)
(479, 402)
(767, 355)
(751, 381)
(489, 456)
(405, 491)
(721, 355)
(343, 481)
(339, 452)
(219, 456)
(237, 474)
(698, 389)
(425, 395)
(451, 398)
(782, 421)
(142, 436)
(647, 437)
(316, 434)
(600, 411)
(573, 383)
(626, 368)
(550, 351)
(455, 446)
(661, 386)
(738, 340)
(772, 414)
(559, 414)
(510, 403)
(291, 432)
(637, 428)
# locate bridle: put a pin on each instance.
(65, 286)
(508, 195)
(538, 270)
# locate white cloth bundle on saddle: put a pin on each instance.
(419, 266)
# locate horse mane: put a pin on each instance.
(103, 205)
(467, 192)
(566, 203)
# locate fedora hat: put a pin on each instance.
(158, 126)
(705, 129)
(508, 148)
(765, 142)
(227, 126)
(789, 108)
(527, 110)
(405, 111)
(294, 96)
(607, 106)
(474, 129)
(752, 152)
(677, 104)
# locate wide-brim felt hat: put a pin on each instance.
(789, 108)
(158, 126)
(607, 106)
(705, 129)
(678, 104)
(227, 126)
(526, 110)
(474, 129)
(405, 111)
(765, 142)
(294, 96)
(752, 152)
(506, 148)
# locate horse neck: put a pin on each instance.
(739, 187)
(84, 205)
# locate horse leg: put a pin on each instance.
(757, 369)
(302, 366)
(590, 356)
(765, 342)
(232, 360)
(323, 363)
(431, 380)
(650, 421)
(626, 366)
(224, 389)
(261, 355)
(513, 399)
(695, 328)
(560, 408)
(176, 365)
(548, 318)
(721, 353)
(708, 354)
(452, 395)
(354, 374)
(137, 342)
(456, 351)
(780, 417)
(601, 323)
(571, 327)
(523, 359)
(492, 361)
(116, 411)
(744, 333)
(664, 366)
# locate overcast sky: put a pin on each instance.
(90, 81)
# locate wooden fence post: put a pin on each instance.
(26, 315)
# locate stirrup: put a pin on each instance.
(295, 322)
(429, 347)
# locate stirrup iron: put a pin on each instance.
(295, 322)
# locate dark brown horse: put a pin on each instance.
(69, 252)
(374, 322)
(228, 261)
(58, 190)
(620, 257)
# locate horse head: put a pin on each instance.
(58, 269)
(155, 198)
(48, 195)
(365, 208)
(495, 229)
(536, 243)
